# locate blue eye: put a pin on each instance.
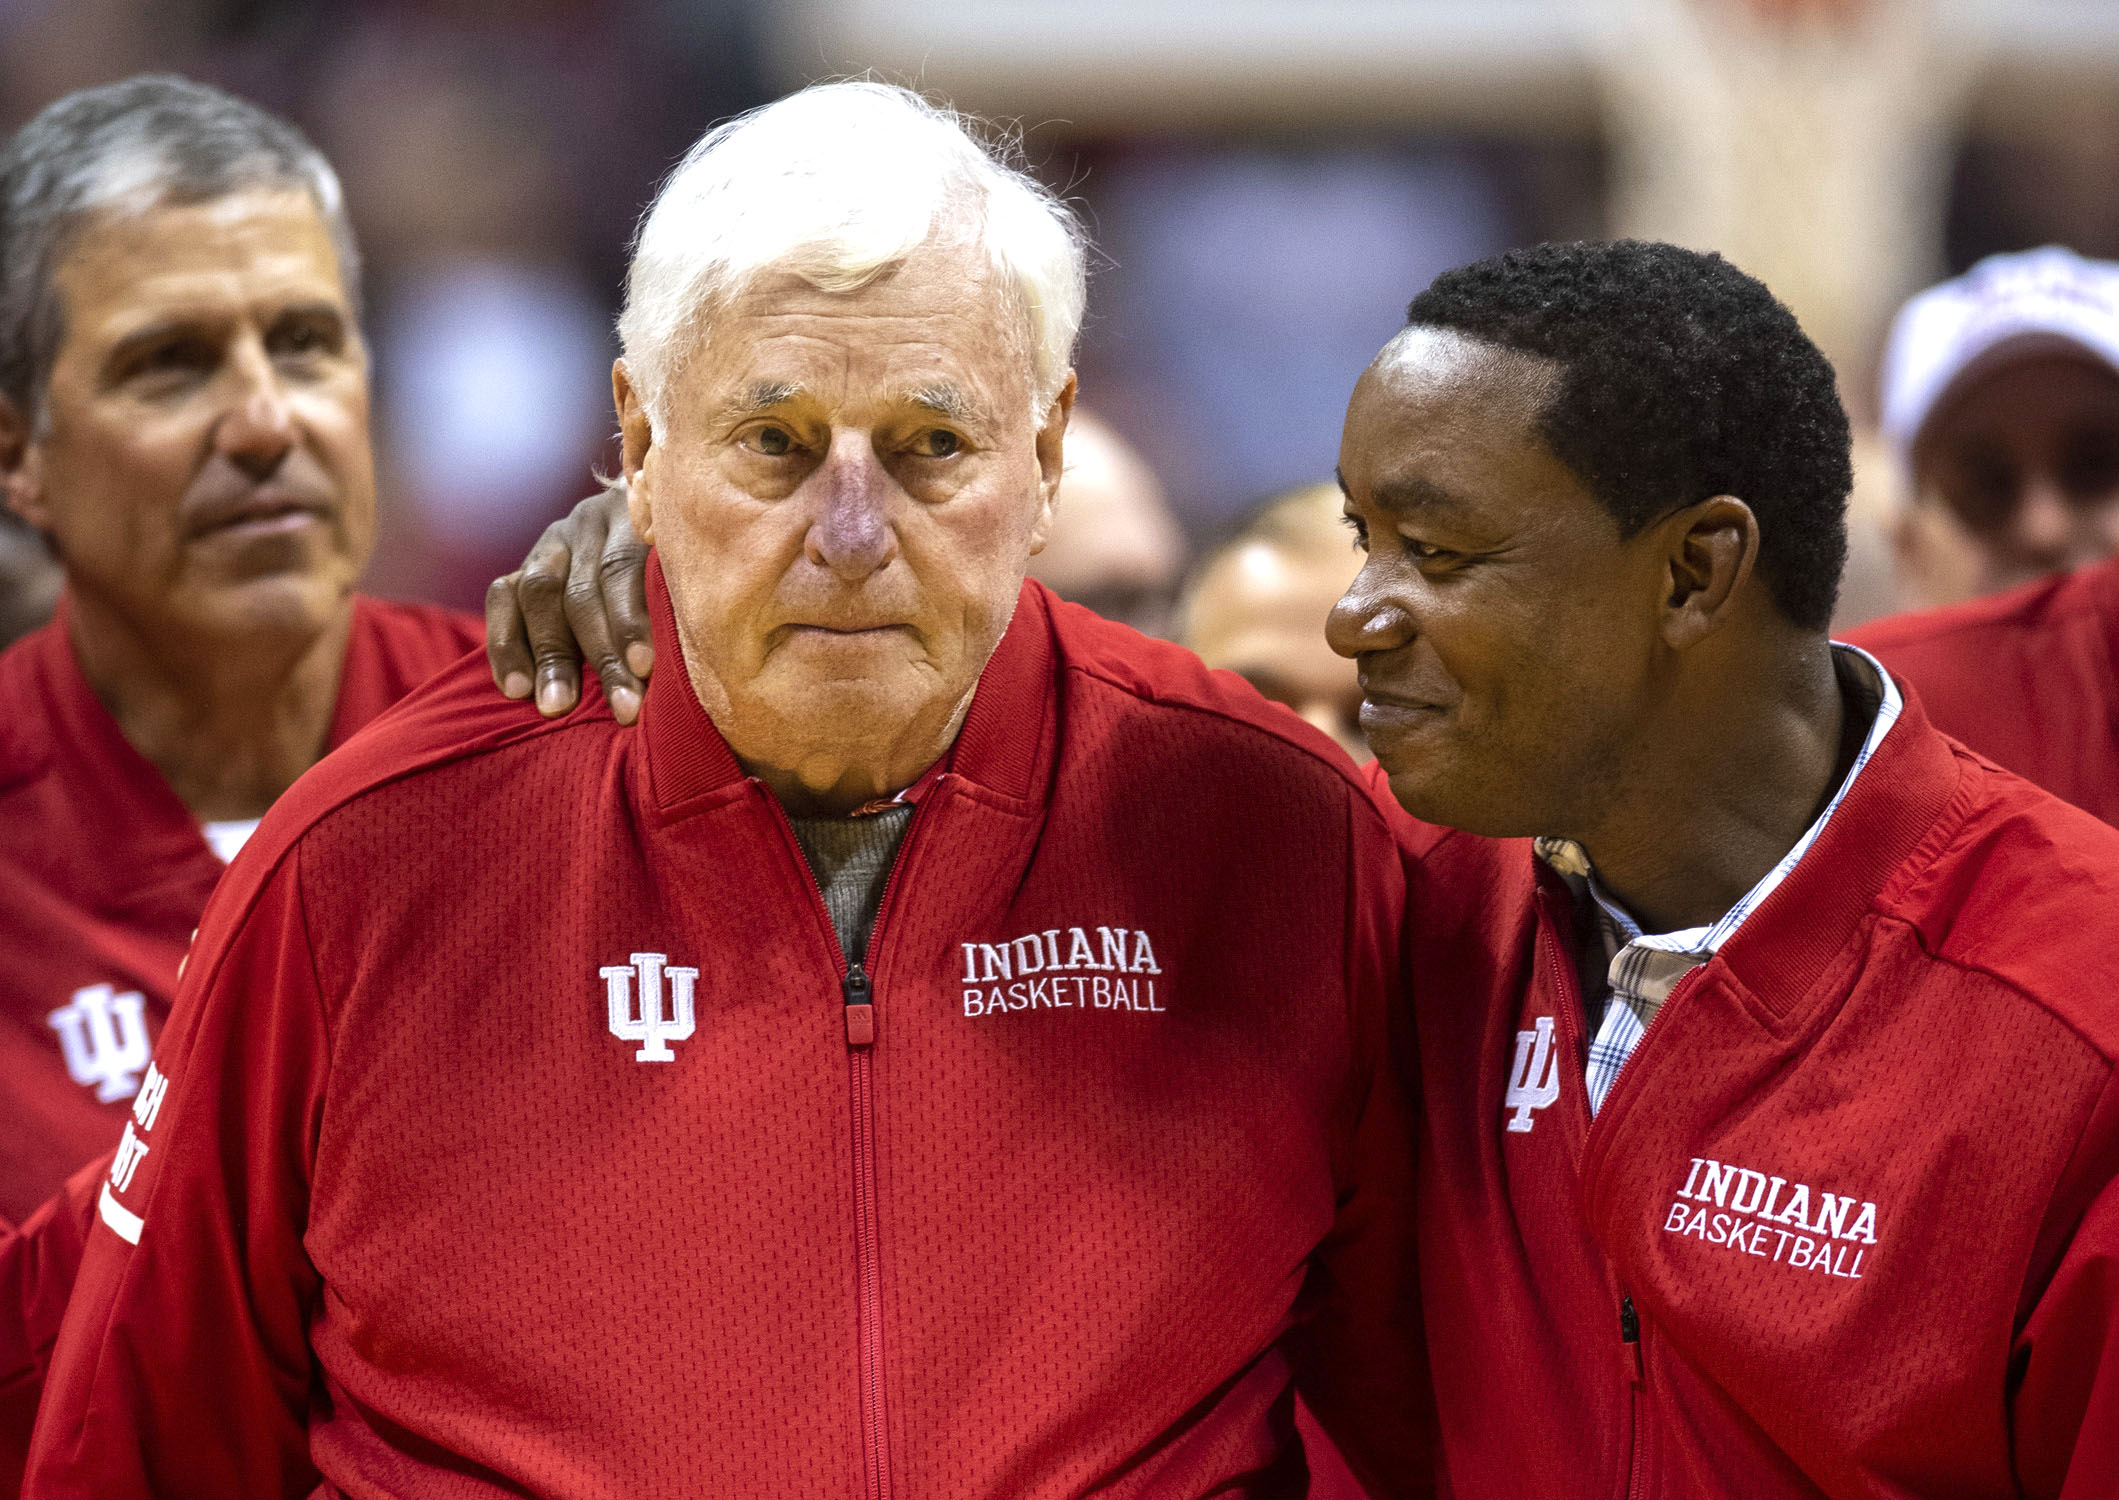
(939, 443)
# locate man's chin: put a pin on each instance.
(290, 602)
(1433, 792)
(1416, 792)
(872, 703)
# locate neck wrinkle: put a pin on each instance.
(1728, 792)
(230, 724)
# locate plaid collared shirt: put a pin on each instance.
(1643, 968)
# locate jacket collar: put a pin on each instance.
(1891, 811)
(151, 861)
(1000, 747)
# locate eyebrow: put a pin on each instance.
(209, 318)
(209, 322)
(317, 309)
(1401, 496)
(762, 396)
(944, 400)
(154, 333)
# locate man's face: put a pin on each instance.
(2017, 476)
(203, 468)
(845, 495)
(1257, 612)
(1505, 634)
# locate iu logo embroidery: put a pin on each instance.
(646, 1023)
(1534, 1081)
(104, 1037)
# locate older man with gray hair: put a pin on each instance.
(944, 1051)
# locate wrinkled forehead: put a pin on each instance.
(254, 235)
(942, 323)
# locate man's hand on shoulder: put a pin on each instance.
(581, 593)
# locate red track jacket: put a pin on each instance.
(1848, 1223)
(103, 874)
(591, 1174)
(2029, 678)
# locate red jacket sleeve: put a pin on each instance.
(1360, 1358)
(38, 1264)
(183, 1367)
(2064, 1409)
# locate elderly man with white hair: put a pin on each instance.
(944, 1050)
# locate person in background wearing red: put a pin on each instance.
(944, 1050)
(2001, 404)
(2001, 396)
(1766, 1036)
(184, 418)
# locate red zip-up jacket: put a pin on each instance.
(103, 875)
(522, 1132)
(1847, 1224)
(2029, 678)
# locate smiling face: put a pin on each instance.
(1504, 632)
(845, 495)
(202, 465)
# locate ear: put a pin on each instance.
(21, 477)
(636, 435)
(1051, 461)
(1710, 551)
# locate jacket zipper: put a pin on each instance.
(857, 992)
(860, 1043)
(1568, 1006)
(1636, 1379)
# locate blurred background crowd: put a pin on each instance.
(1267, 183)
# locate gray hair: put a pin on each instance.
(149, 140)
(838, 183)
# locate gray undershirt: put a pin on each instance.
(851, 859)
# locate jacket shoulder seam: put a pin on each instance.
(2014, 987)
(429, 764)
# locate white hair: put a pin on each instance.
(837, 184)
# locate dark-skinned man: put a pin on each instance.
(1770, 1122)
(184, 418)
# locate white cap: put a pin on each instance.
(2005, 306)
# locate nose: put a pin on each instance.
(257, 432)
(851, 533)
(1366, 618)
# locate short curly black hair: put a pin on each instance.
(1683, 379)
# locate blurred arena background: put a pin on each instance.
(1267, 183)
